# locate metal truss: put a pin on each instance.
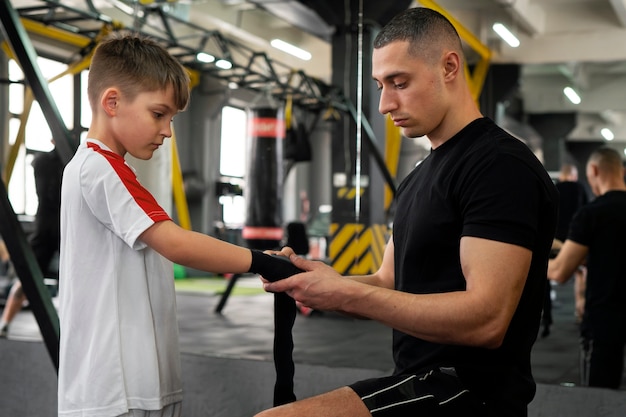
(245, 68)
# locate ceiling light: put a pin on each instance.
(506, 34)
(572, 95)
(291, 49)
(223, 64)
(607, 134)
(204, 57)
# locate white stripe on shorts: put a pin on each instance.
(414, 400)
(388, 388)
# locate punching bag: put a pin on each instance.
(264, 180)
(263, 229)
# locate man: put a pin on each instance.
(572, 196)
(48, 171)
(596, 234)
(462, 279)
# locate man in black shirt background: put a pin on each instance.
(596, 236)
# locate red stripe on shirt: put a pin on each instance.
(142, 197)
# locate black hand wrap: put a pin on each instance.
(272, 267)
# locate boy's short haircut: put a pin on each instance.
(135, 63)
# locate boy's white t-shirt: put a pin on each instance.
(117, 305)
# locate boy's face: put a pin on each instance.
(140, 126)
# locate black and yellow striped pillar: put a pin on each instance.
(359, 229)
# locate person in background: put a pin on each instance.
(572, 196)
(117, 304)
(6, 268)
(45, 239)
(463, 276)
(595, 237)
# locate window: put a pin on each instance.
(38, 137)
(233, 143)
(233, 154)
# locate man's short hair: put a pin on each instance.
(134, 64)
(424, 29)
(607, 159)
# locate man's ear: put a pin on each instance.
(452, 65)
(594, 169)
(110, 101)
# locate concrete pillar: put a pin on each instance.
(553, 128)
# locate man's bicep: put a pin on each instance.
(495, 269)
(386, 270)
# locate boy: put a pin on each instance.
(119, 336)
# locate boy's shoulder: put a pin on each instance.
(88, 163)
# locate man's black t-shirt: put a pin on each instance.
(601, 226)
(572, 196)
(482, 183)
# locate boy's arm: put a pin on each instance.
(196, 250)
(203, 252)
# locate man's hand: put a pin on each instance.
(272, 267)
(320, 287)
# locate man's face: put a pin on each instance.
(411, 90)
(592, 177)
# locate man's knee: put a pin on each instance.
(342, 402)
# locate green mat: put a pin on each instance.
(217, 285)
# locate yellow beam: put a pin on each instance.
(7, 50)
(393, 141)
(194, 77)
(178, 190)
(51, 32)
(19, 140)
(478, 77)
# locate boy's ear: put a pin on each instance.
(110, 100)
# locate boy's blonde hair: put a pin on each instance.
(134, 64)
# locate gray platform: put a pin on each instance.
(228, 370)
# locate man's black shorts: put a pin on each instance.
(437, 393)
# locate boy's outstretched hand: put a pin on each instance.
(272, 267)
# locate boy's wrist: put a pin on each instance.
(272, 267)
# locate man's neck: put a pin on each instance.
(616, 185)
